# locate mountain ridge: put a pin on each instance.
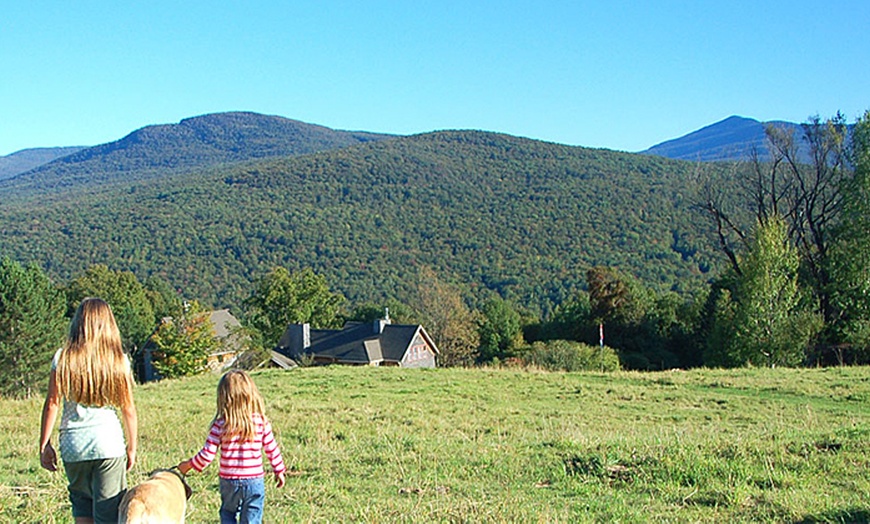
(496, 213)
(26, 159)
(730, 139)
(236, 136)
(194, 142)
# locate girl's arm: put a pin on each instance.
(273, 453)
(47, 455)
(131, 428)
(208, 452)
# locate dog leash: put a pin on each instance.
(188, 491)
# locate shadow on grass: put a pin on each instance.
(844, 516)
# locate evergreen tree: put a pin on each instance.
(368, 312)
(719, 326)
(165, 301)
(570, 320)
(31, 327)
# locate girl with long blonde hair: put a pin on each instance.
(91, 374)
(242, 433)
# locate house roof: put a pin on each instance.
(358, 342)
(223, 321)
(282, 361)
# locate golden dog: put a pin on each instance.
(160, 499)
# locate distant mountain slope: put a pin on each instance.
(493, 212)
(735, 138)
(195, 142)
(27, 159)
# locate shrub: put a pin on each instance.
(565, 355)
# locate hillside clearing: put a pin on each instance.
(460, 445)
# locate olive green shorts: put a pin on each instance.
(96, 487)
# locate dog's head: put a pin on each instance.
(174, 471)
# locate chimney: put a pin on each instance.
(300, 337)
(382, 322)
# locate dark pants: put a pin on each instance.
(96, 488)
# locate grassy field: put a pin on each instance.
(457, 445)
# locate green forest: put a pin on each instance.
(672, 257)
(494, 213)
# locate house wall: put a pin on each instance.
(419, 355)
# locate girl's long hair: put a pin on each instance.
(237, 400)
(92, 368)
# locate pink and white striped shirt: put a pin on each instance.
(240, 459)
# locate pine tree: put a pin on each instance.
(500, 330)
(31, 327)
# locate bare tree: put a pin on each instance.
(722, 207)
(799, 179)
(813, 195)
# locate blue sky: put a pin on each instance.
(616, 74)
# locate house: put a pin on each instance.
(378, 343)
(224, 329)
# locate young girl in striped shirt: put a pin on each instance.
(242, 433)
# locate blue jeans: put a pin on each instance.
(242, 497)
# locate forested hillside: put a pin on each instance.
(207, 140)
(496, 213)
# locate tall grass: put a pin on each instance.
(459, 445)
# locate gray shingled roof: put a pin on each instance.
(223, 322)
(358, 342)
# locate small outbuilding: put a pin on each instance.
(377, 343)
(225, 329)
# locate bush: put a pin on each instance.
(565, 355)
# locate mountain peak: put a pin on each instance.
(195, 142)
(734, 138)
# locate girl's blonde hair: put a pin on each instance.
(92, 368)
(237, 400)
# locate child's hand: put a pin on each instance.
(279, 478)
(184, 466)
(131, 458)
(48, 458)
